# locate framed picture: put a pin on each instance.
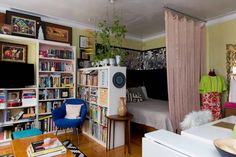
(14, 96)
(83, 41)
(13, 52)
(58, 33)
(83, 63)
(23, 24)
(64, 93)
(83, 55)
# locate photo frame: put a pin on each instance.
(65, 93)
(83, 55)
(13, 95)
(13, 52)
(59, 33)
(23, 24)
(83, 63)
(83, 41)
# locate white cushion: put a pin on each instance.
(73, 111)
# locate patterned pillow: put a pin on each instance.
(134, 95)
(73, 111)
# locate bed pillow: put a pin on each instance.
(144, 90)
(73, 111)
(135, 94)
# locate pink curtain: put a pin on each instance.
(185, 47)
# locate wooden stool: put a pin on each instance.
(112, 119)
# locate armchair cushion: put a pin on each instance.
(68, 123)
(73, 111)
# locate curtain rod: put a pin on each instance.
(185, 14)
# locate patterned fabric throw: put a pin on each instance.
(73, 149)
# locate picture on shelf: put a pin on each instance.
(22, 24)
(14, 96)
(64, 93)
(13, 52)
(56, 32)
(83, 55)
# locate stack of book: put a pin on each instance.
(46, 148)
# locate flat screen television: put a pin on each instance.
(16, 75)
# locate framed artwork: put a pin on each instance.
(58, 33)
(13, 52)
(64, 93)
(14, 95)
(23, 24)
(83, 41)
(83, 55)
(83, 63)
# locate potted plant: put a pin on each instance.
(113, 33)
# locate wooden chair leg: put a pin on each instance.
(77, 133)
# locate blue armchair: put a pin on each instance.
(58, 115)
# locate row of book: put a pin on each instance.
(47, 107)
(56, 53)
(46, 124)
(28, 94)
(98, 114)
(46, 94)
(14, 115)
(98, 131)
(84, 93)
(54, 80)
(55, 66)
(46, 148)
(24, 126)
(5, 135)
(90, 78)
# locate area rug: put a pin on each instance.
(73, 149)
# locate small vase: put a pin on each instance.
(122, 110)
(112, 61)
(118, 60)
(105, 62)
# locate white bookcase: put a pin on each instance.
(56, 78)
(59, 55)
(24, 102)
(96, 87)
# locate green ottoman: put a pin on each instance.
(26, 133)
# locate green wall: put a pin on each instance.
(218, 36)
(127, 43)
(154, 43)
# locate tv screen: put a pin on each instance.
(16, 75)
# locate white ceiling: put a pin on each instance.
(144, 18)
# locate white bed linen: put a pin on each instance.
(151, 112)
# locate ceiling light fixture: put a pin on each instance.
(112, 1)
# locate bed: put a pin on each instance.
(151, 112)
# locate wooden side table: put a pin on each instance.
(112, 120)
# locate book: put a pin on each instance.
(45, 147)
(19, 115)
(45, 153)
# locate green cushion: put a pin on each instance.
(26, 133)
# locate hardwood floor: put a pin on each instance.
(93, 149)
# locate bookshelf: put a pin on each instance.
(17, 111)
(54, 82)
(96, 88)
(56, 79)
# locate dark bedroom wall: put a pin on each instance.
(155, 82)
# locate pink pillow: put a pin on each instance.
(73, 111)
